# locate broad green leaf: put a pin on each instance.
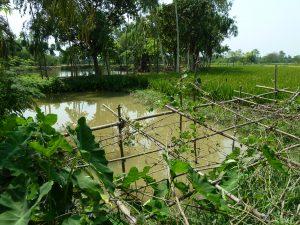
(93, 154)
(182, 187)
(50, 119)
(272, 160)
(85, 182)
(12, 146)
(161, 189)
(134, 175)
(19, 213)
(206, 190)
(231, 180)
(73, 220)
(54, 145)
(157, 207)
(179, 167)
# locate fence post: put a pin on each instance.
(181, 104)
(195, 126)
(236, 118)
(120, 128)
(276, 81)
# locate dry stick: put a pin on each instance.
(246, 118)
(227, 129)
(121, 206)
(195, 139)
(294, 97)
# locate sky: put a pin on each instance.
(266, 25)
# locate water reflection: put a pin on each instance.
(84, 72)
(70, 107)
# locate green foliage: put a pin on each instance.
(15, 94)
(20, 212)
(134, 175)
(272, 159)
(38, 163)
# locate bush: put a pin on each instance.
(15, 94)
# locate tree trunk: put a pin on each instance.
(162, 53)
(96, 65)
(107, 63)
(177, 38)
(45, 66)
(195, 60)
(188, 66)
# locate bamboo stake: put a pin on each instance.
(275, 81)
(120, 128)
(195, 141)
(202, 124)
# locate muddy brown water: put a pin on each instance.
(70, 107)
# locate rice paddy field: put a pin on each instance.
(221, 81)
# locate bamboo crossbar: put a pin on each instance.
(201, 124)
(233, 100)
(261, 124)
(248, 119)
(257, 96)
(110, 125)
(278, 90)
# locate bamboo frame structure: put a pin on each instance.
(238, 116)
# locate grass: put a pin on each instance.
(220, 81)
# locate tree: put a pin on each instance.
(253, 56)
(7, 38)
(86, 23)
(203, 25)
(235, 56)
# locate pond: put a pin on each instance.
(84, 72)
(70, 107)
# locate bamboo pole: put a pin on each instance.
(202, 124)
(236, 118)
(195, 141)
(248, 119)
(120, 128)
(122, 207)
(110, 125)
(275, 81)
(255, 96)
(279, 90)
(233, 100)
